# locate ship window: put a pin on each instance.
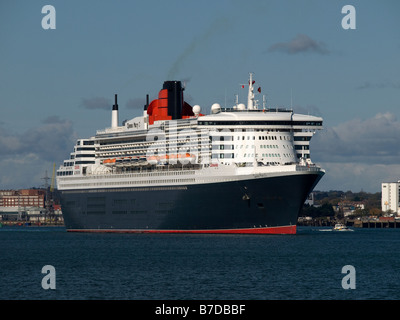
(120, 202)
(85, 149)
(96, 212)
(138, 211)
(85, 155)
(96, 199)
(119, 212)
(95, 206)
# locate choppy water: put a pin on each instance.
(142, 266)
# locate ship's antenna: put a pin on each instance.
(241, 86)
(250, 97)
(291, 99)
(225, 98)
(236, 103)
(264, 102)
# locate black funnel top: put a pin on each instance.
(115, 106)
(175, 98)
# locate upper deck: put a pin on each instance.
(238, 136)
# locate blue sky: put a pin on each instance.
(58, 85)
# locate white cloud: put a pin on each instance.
(357, 176)
(359, 154)
(23, 171)
(24, 157)
(372, 141)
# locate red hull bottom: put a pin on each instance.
(266, 230)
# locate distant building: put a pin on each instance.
(28, 205)
(391, 197)
(17, 200)
(348, 207)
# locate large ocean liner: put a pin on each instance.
(244, 169)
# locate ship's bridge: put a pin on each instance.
(269, 137)
(260, 118)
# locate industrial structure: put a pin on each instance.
(28, 205)
(31, 205)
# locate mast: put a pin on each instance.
(250, 96)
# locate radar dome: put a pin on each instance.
(241, 106)
(215, 108)
(196, 109)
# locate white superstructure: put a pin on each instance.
(228, 144)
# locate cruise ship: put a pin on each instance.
(244, 169)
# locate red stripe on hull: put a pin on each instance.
(266, 230)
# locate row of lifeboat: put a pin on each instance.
(152, 160)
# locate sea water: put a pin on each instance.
(307, 265)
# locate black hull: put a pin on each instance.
(265, 205)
